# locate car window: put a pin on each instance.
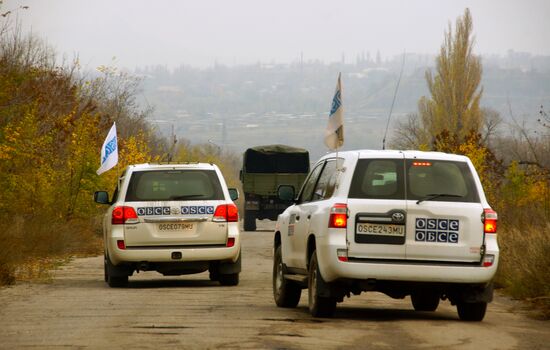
(309, 185)
(327, 182)
(427, 177)
(161, 185)
(378, 179)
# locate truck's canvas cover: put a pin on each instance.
(276, 159)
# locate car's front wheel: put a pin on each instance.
(319, 306)
(286, 293)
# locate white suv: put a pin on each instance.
(398, 222)
(172, 218)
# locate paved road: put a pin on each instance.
(78, 310)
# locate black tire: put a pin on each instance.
(114, 277)
(117, 281)
(471, 311)
(213, 272)
(425, 301)
(318, 306)
(214, 275)
(249, 220)
(286, 293)
(105, 272)
(231, 279)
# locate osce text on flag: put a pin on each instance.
(109, 151)
(334, 133)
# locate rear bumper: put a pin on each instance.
(402, 270)
(164, 254)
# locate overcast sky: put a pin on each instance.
(201, 32)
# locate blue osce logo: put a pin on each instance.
(110, 147)
(436, 230)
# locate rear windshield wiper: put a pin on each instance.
(186, 196)
(436, 195)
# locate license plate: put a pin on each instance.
(175, 227)
(380, 229)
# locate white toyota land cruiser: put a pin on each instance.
(397, 222)
(172, 218)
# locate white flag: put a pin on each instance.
(334, 134)
(109, 151)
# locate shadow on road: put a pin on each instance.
(380, 315)
(170, 283)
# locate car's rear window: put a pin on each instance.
(165, 185)
(385, 179)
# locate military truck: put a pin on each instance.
(265, 168)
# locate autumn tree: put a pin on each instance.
(455, 92)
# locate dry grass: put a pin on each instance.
(524, 267)
(36, 248)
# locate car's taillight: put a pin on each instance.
(338, 216)
(489, 219)
(121, 215)
(226, 212)
(230, 242)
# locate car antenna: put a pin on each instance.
(393, 102)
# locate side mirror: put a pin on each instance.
(286, 193)
(101, 197)
(233, 194)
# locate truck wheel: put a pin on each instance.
(425, 301)
(471, 311)
(249, 220)
(231, 279)
(319, 306)
(286, 293)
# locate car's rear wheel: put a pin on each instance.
(286, 293)
(115, 277)
(249, 220)
(105, 271)
(231, 279)
(214, 275)
(471, 311)
(425, 301)
(117, 281)
(319, 306)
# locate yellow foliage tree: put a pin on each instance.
(454, 89)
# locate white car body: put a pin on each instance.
(169, 234)
(457, 252)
